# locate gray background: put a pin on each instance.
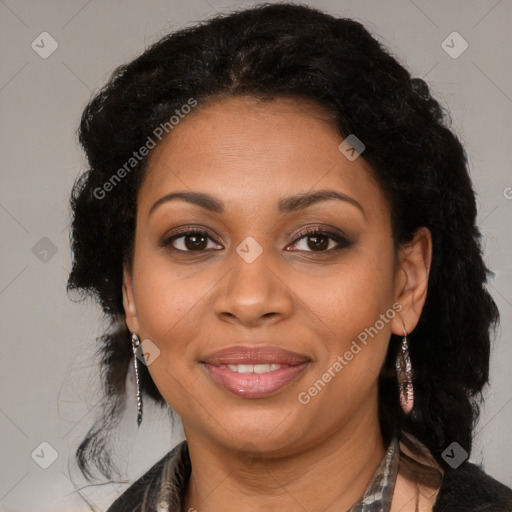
(49, 381)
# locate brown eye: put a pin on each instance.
(318, 240)
(195, 242)
(188, 241)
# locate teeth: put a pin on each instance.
(254, 368)
(262, 368)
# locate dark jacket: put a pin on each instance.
(465, 489)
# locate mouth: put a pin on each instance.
(254, 371)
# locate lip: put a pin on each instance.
(255, 385)
(254, 354)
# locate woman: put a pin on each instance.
(282, 229)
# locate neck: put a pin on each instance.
(330, 474)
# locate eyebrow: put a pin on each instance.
(285, 205)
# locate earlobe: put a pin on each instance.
(130, 311)
(412, 281)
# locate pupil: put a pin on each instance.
(320, 241)
(197, 242)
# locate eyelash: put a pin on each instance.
(339, 239)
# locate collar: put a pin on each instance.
(379, 492)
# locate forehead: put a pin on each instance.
(253, 152)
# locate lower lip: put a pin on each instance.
(255, 385)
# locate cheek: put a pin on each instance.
(169, 299)
(355, 309)
(169, 311)
(355, 294)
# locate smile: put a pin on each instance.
(254, 371)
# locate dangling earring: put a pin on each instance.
(135, 345)
(404, 373)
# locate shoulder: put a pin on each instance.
(140, 496)
(468, 488)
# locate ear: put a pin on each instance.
(411, 282)
(130, 311)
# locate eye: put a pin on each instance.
(189, 240)
(316, 240)
(319, 240)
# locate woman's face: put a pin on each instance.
(313, 312)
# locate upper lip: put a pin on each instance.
(254, 354)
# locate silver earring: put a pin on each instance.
(404, 373)
(135, 347)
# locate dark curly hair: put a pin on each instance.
(295, 51)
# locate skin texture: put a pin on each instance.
(271, 453)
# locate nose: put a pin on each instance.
(253, 293)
